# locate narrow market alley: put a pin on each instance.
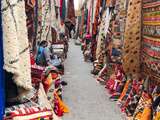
(80, 60)
(86, 99)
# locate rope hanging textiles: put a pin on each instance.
(151, 39)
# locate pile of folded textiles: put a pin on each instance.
(52, 84)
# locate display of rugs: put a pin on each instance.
(132, 38)
(151, 39)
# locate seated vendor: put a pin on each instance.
(43, 57)
(46, 58)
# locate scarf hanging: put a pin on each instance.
(15, 43)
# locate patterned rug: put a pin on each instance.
(151, 39)
(132, 43)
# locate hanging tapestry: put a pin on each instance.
(102, 33)
(94, 9)
(63, 10)
(71, 12)
(132, 38)
(54, 19)
(15, 42)
(30, 13)
(96, 17)
(82, 22)
(120, 19)
(101, 36)
(46, 21)
(151, 39)
(39, 17)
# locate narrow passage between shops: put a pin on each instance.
(86, 99)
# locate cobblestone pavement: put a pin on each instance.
(86, 99)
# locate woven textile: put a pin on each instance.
(101, 36)
(32, 113)
(30, 13)
(46, 21)
(151, 39)
(132, 38)
(39, 16)
(16, 47)
(96, 17)
(144, 102)
(63, 10)
(71, 11)
(55, 21)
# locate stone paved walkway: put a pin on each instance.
(86, 99)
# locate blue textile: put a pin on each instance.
(40, 58)
(2, 90)
(115, 52)
(56, 62)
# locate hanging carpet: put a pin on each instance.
(15, 42)
(132, 38)
(151, 39)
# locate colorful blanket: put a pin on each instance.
(151, 39)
